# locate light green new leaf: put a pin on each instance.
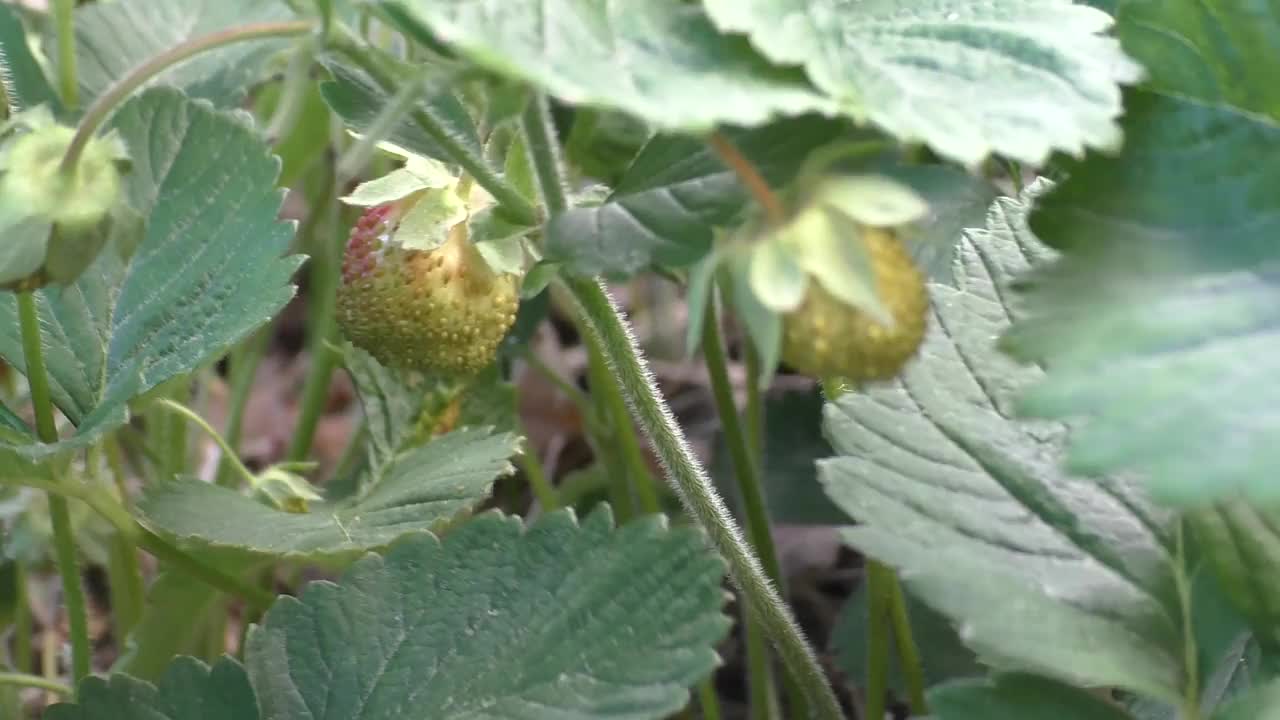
(189, 690)
(1077, 576)
(1019, 697)
(420, 489)
(1160, 326)
(1218, 51)
(660, 60)
(113, 38)
(208, 271)
(1021, 78)
(665, 206)
(557, 621)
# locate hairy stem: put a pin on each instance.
(63, 535)
(620, 349)
(22, 622)
(708, 701)
(113, 96)
(64, 24)
(186, 412)
(699, 497)
(544, 151)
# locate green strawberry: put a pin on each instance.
(440, 311)
(825, 337)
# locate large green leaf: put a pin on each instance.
(557, 621)
(1078, 577)
(189, 690)
(1219, 51)
(208, 271)
(673, 194)
(1021, 78)
(1160, 326)
(112, 38)
(660, 60)
(417, 490)
(1263, 703)
(1019, 697)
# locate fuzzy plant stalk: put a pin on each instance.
(39, 682)
(605, 324)
(63, 537)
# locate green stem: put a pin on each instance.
(544, 150)
(908, 653)
(113, 96)
(326, 270)
(628, 442)
(752, 492)
(123, 572)
(604, 323)
(537, 477)
(60, 515)
(22, 625)
(186, 412)
(244, 368)
(708, 700)
(1191, 694)
(698, 495)
(174, 448)
(607, 430)
(879, 579)
(64, 23)
(887, 622)
(515, 205)
(35, 681)
(293, 93)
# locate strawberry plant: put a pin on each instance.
(985, 288)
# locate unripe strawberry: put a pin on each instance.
(440, 311)
(826, 337)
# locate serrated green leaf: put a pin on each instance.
(358, 100)
(1019, 697)
(680, 73)
(1219, 51)
(1242, 545)
(1078, 576)
(25, 84)
(207, 272)
(420, 489)
(1021, 78)
(189, 690)
(113, 38)
(560, 620)
(673, 194)
(1167, 297)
